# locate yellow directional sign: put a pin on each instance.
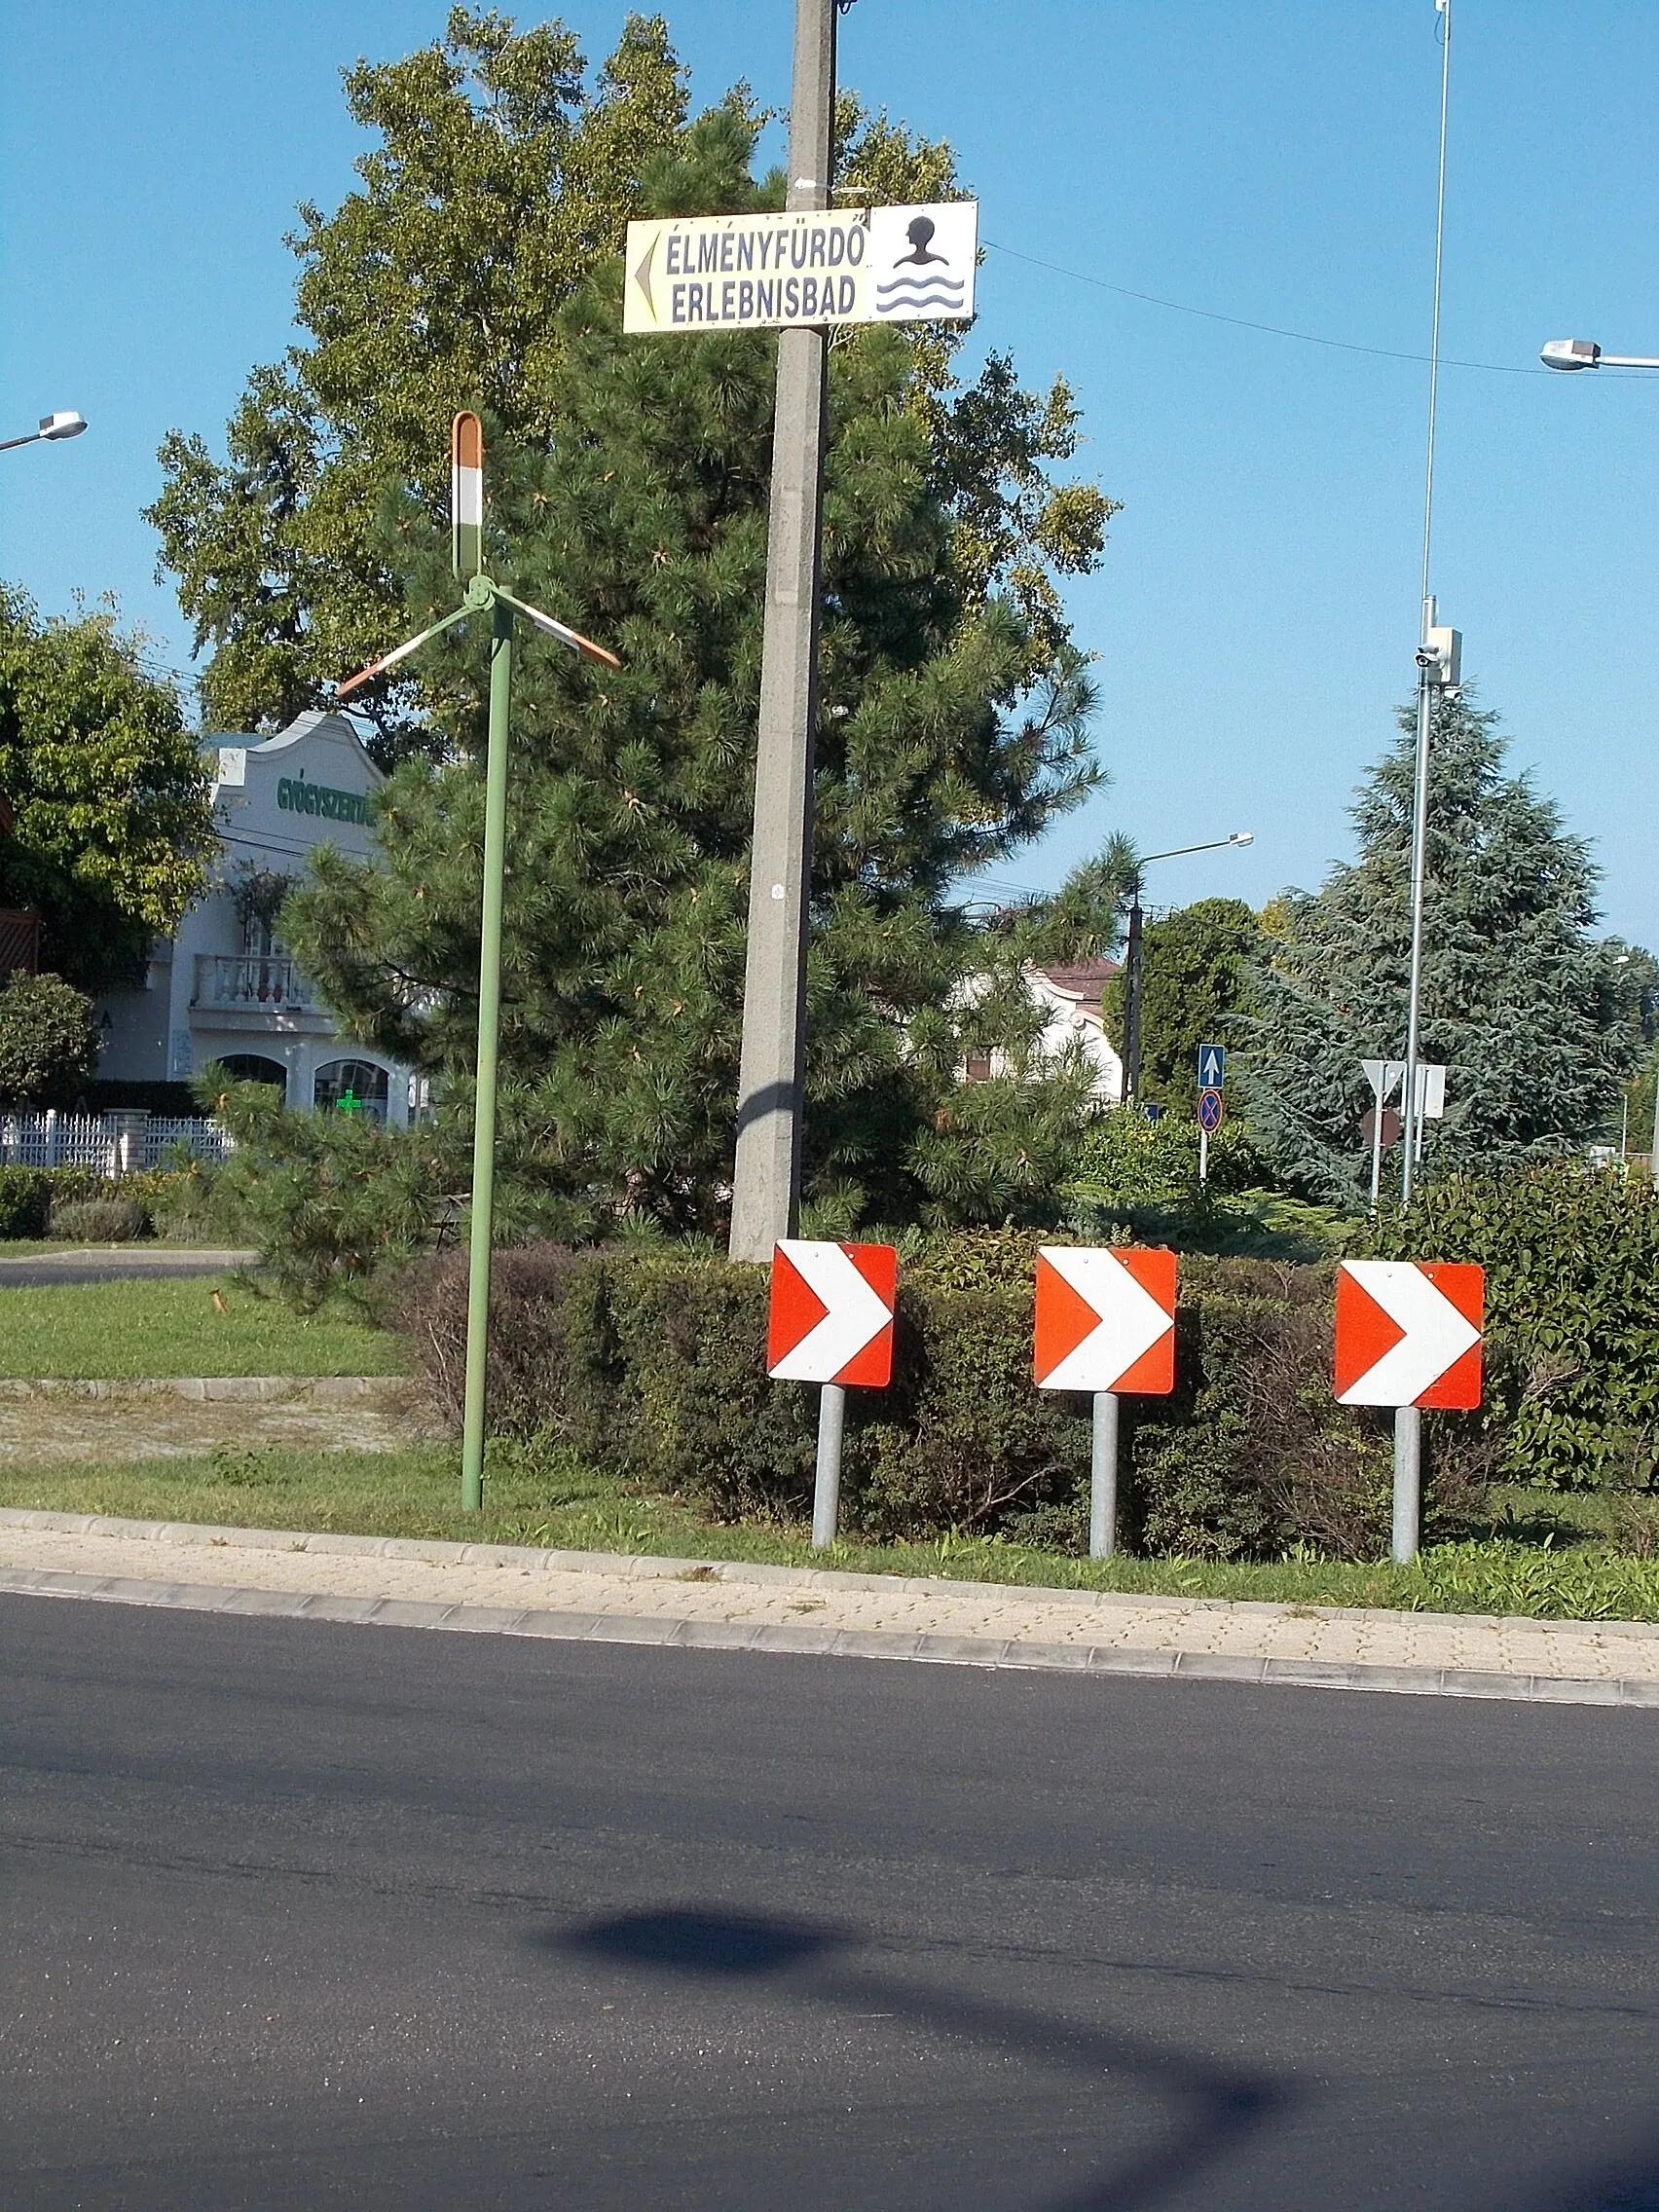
(700, 273)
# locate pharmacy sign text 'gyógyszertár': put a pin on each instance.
(814, 266)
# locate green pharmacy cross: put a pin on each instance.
(483, 596)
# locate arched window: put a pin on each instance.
(351, 1086)
(255, 1067)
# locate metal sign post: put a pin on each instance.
(1409, 1333)
(830, 1322)
(483, 596)
(1105, 1323)
(1212, 1073)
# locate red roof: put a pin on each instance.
(1083, 979)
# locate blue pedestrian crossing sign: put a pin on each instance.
(1212, 1066)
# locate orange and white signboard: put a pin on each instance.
(832, 1312)
(1409, 1333)
(1105, 1319)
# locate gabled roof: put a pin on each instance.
(1085, 980)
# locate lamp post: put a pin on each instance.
(1133, 956)
(1584, 353)
(66, 422)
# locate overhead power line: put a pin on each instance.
(1267, 329)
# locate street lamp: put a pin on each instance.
(1585, 353)
(66, 422)
(1133, 956)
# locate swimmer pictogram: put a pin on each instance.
(920, 282)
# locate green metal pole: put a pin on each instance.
(488, 1042)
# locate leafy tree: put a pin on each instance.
(632, 793)
(499, 177)
(1537, 1024)
(1196, 990)
(49, 1041)
(108, 792)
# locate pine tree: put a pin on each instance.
(499, 173)
(1536, 1023)
(645, 525)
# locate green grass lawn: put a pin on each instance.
(119, 1330)
(531, 1499)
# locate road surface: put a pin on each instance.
(306, 1915)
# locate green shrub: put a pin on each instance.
(1571, 1255)
(654, 1363)
(49, 1041)
(28, 1195)
(98, 1221)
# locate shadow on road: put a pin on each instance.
(1216, 2109)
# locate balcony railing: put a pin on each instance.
(252, 982)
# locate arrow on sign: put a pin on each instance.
(1409, 1333)
(832, 1312)
(1212, 1067)
(1105, 1319)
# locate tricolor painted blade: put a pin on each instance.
(466, 497)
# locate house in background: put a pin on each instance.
(1072, 999)
(225, 988)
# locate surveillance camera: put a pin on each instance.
(1427, 659)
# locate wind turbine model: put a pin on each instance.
(483, 593)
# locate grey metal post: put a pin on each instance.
(1103, 1478)
(1132, 1007)
(1409, 1116)
(826, 1480)
(1378, 1112)
(772, 1069)
(1203, 1154)
(1408, 1482)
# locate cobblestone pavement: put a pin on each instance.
(45, 1423)
(511, 1590)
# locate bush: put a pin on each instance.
(26, 1196)
(654, 1363)
(1571, 1255)
(99, 1221)
(330, 1198)
(49, 1041)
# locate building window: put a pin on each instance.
(253, 1067)
(351, 1086)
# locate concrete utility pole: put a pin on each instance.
(772, 1074)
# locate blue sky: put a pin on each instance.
(1256, 613)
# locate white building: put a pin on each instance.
(1071, 999)
(224, 988)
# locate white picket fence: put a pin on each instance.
(109, 1144)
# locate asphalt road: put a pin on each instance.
(301, 1915)
(121, 1262)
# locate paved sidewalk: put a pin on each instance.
(509, 1590)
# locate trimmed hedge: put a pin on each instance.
(1571, 1255)
(654, 1364)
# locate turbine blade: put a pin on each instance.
(560, 630)
(399, 652)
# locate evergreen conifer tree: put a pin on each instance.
(1536, 1024)
(952, 729)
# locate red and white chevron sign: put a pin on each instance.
(831, 1315)
(1409, 1333)
(1105, 1319)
